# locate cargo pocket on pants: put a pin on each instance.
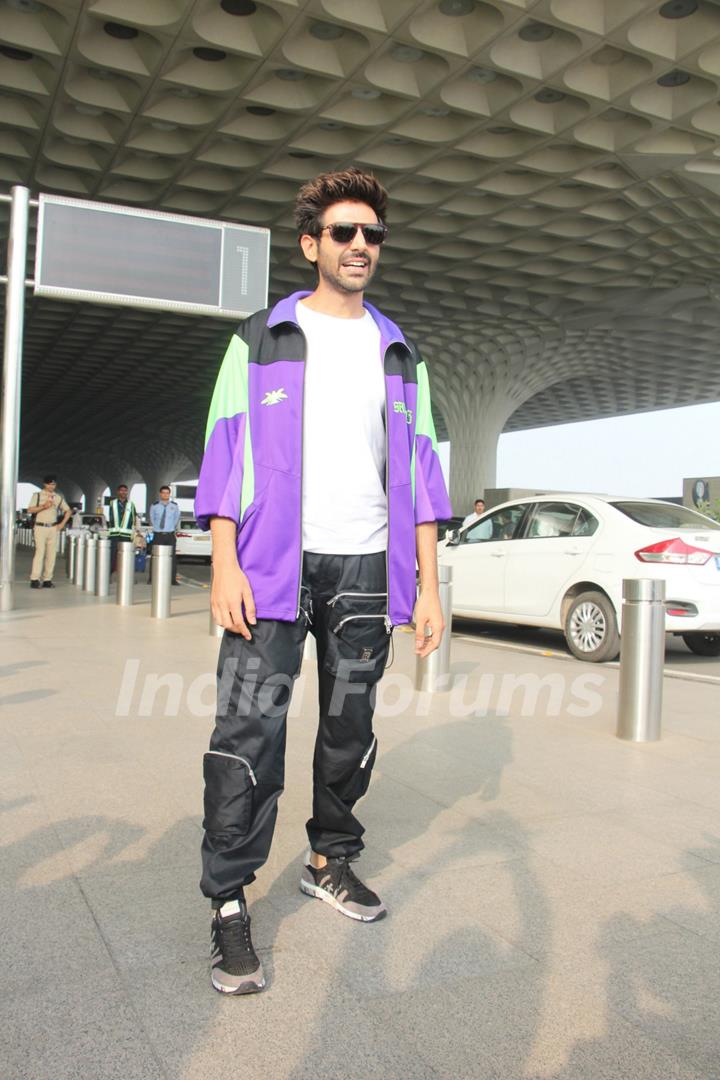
(357, 647)
(229, 785)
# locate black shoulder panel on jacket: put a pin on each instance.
(284, 342)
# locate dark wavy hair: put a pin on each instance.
(350, 185)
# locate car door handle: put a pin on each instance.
(497, 554)
(572, 551)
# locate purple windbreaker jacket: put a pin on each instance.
(252, 467)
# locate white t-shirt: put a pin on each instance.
(344, 506)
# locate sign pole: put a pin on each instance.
(11, 385)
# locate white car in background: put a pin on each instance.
(559, 562)
(193, 541)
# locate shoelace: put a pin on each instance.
(347, 879)
(232, 936)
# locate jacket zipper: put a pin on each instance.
(368, 752)
(302, 447)
(350, 618)
(360, 595)
(234, 757)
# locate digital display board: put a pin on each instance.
(143, 258)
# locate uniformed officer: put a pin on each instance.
(164, 520)
(46, 506)
(121, 524)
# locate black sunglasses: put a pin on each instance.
(343, 232)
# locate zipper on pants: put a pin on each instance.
(368, 752)
(351, 618)
(357, 595)
(235, 757)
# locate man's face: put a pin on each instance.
(50, 486)
(479, 506)
(122, 493)
(348, 268)
(164, 494)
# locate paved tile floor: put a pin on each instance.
(554, 893)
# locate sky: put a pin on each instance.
(642, 454)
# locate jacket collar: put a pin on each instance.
(284, 312)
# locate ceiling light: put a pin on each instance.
(548, 96)
(302, 154)
(163, 125)
(481, 75)
(397, 140)
(15, 54)
(120, 31)
(611, 116)
(326, 31)
(536, 31)
(406, 54)
(102, 73)
(435, 111)
(365, 93)
(456, 7)
(674, 78)
(290, 74)
(260, 110)
(211, 55)
(330, 125)
(678, 9)
(238, 7)
(186, 92)
(88, 110)
(501, 131)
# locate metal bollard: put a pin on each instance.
(79, 577)
(70, 555)
(125, 574)
(642, 652)
(62, 543)
(161, 581)
(432, 673)
(102, 571)
(90, 564)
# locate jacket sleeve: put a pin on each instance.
(219, 489)
(431, 497)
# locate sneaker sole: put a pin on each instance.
(321, 894)
(244, 988)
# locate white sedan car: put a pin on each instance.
(559, 562)
(193, 541)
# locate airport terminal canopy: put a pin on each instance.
(554, 172)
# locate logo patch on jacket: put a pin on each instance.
(401, 407)
(274, 397)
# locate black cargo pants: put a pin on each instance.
(343, 603)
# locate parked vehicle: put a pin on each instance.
(560, 562)
(192, 541)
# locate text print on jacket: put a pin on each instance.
(251, 470)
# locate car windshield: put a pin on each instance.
(665, 515)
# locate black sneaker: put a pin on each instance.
(235, 968)
(34, 583)
(337, 885)
(48, 585)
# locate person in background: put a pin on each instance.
(478, 511)
(164, 519)
(122, 517)
(51, 514)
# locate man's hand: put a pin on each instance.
(429, 622)
(232, 601)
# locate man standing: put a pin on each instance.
(121, 522)
(164, 520)
(478, 511)
(321, 485)
(46, 506)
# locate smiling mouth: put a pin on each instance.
(356, 264)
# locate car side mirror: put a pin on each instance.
(452, 538)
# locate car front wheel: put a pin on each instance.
(703, 644)
(591, 629)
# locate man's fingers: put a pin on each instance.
(249, 606)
